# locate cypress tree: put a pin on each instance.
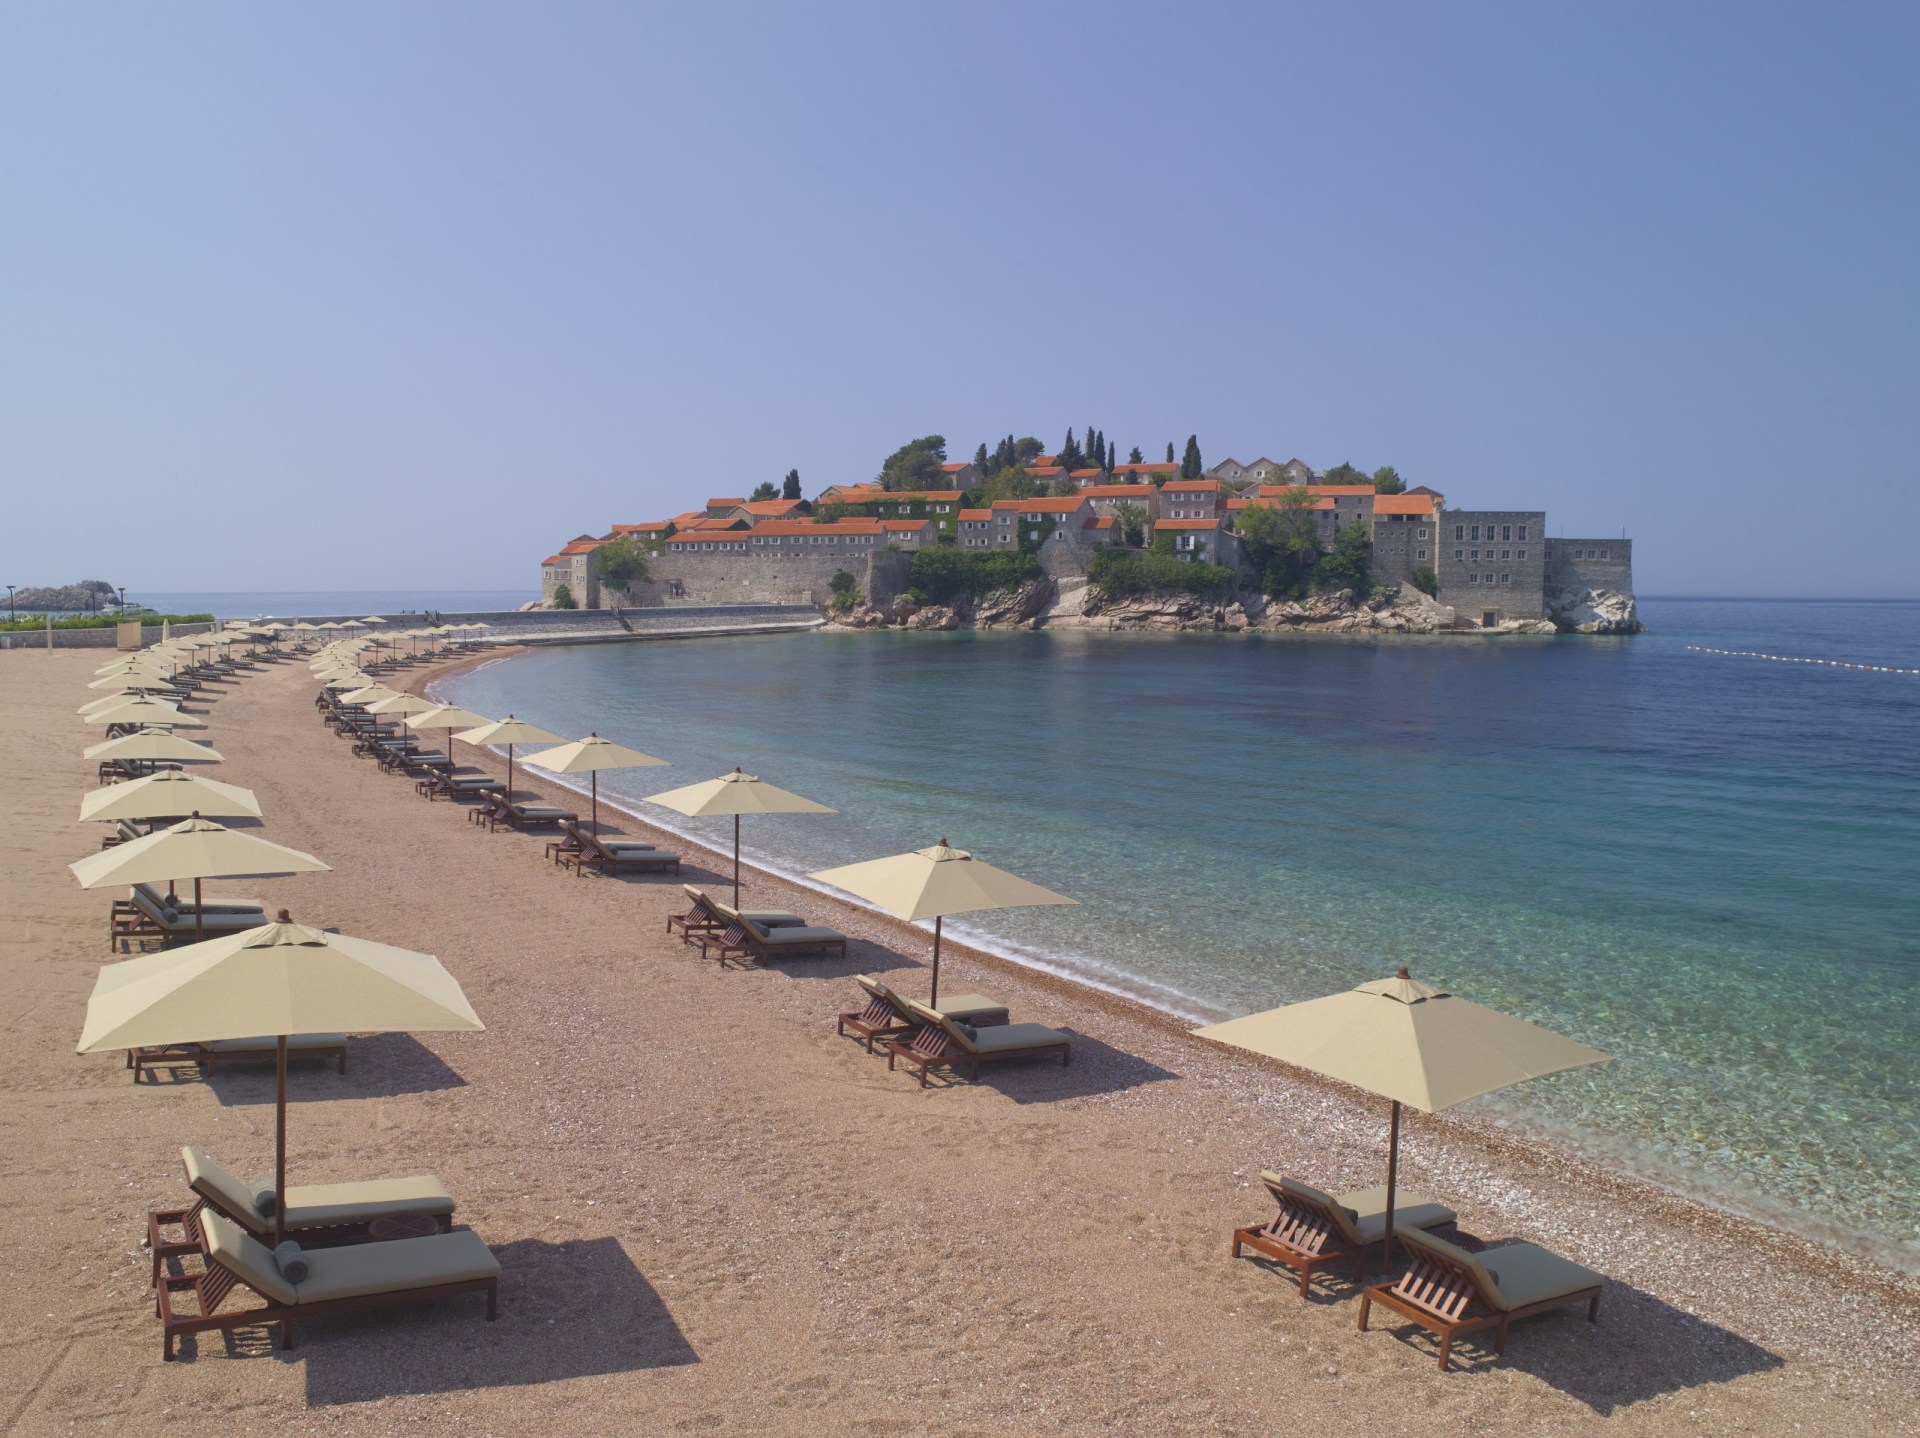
(1169, 451)
(980, 457)
(1110, 450)
(790, 489)
(1190, 461)
(1135, 457)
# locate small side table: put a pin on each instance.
(403, 1225)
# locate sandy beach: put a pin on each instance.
(716, 1216)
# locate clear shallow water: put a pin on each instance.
(1705, 866)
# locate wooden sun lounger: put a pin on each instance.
(610, 856)
(1449, 1291)
(141, 916)
(744, 939)
(1314, 1230)
(318, 1214)
(887, 1015)
(341, 1280)
(499, 809)
(208, 1057)
(465, 782)
(941, 1042)
(706, 915)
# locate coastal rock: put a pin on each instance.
(1013, 608)
(860, 616)
(933, 616)
(1593, 611)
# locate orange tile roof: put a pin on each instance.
(976, 514)
(692, 516)
(551, 559)
(773, 507)
(1146, 469)
(1404, 504)
(716, 503)
(1043, 459)
(1099, 521)
(582, 545)
(1187, 524)
(1195, 484)
(1335, 489)
(904, 496)
(1045, 471)
(651, 527)
(1085, 473)
(1116, 491)
(955, 468)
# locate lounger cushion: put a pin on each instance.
(317, 1205)
(1515, 1275)
(541, 811)
(221, 1188)
(773, 918)
(799, 937)
(248, 1258)
(1017, 1036)
(296, 1043)
(1416, 1240)
(972, 1009)
(396, 1266)
(1408, 1208)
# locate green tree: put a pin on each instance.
(1070, 456)
(563, 598)
(1026, 449)
(915, 465)
(1387, 480)
(790, 489)
(1344, 473)
(1190, 461)
(1426, 581)
(1130, 523)
(1169, 451)
(1119, 573)
(980, 457)
(1133, 456)
(846, 594)
(1345, 565)
(764, 490)
(621, 562)
(1015, 481)
(1278, 541)
(941, 576)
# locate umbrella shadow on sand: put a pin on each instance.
(1640, 1348)
(378, 1066)
(567, 1310)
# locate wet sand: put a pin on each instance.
(715, 1215)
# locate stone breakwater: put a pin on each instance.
(1400, 609)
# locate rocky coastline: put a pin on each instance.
(1397, 609)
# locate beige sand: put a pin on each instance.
(716, 1216)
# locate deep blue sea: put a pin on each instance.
(1704, 865)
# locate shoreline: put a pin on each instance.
(715, 1214)
(1589, 1166)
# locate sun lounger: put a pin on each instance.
(212, 904)
(465, 782)
(207, 1057)
(887, 1015)
(142, 916)
(942, 1042)
(611, 856)
(499, 809)
(707, 914)
(744, 939)
(1449, 1291)
(338, 1280)
(1314, 1230)
(318, 1214)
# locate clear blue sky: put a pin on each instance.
(397, 295)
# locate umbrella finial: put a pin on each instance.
(282, 917)
(1403, 974)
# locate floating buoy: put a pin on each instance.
(1799, 659)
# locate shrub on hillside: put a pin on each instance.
(943, 575)
(1124, 573)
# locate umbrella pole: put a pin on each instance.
(736, 861)
(280, 1142)
(1393, 1171)
(595, 820)
(199, 914)
(509, 773)
(934, 996)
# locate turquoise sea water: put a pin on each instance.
(1704, 865)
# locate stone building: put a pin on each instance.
(1493, 564)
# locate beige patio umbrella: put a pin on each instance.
(114, 701)
(196, 849)
(281, 979)
(129, 679)
(589, 756)
(145, 711)
(372, 619)
(735, 794)
(152, 746)
(932, 883)
(509, 731)
(445, 716)
(1409, 1043)
(169, 793)
(368, 692)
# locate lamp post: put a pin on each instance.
(10, 589)
(123, 599)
